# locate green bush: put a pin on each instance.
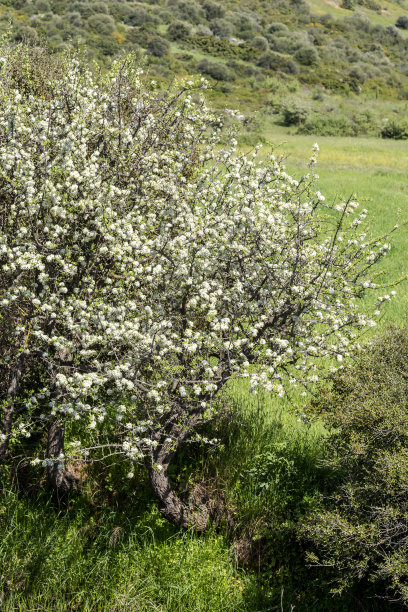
(277, 61)
(178, 30)
(158, 46)
(294, 112)
(102, 24)
(221, 28)
(349, 4)
(360, 535)
(306, 55)
(213, 10)
(402, 22)
(260, 42)
(398, 130)
(216, 70)
(137, 16)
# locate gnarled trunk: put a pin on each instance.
(60, 478)
(171, 506)
(8, 410)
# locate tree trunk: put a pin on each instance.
(8, 410)
(171, 506)
(61, 479)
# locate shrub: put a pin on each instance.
(103, 24)
(398, 130)
(402, 22)
(348, 4)
(216, 70)
(178, 30)
(137, 16)
(361, 531)
(42, 6)
(74, 19)
(276, 61)
(158, 46)
(294, 112)
(273, 28)
(357, 74)
(306, 55)
(213, 10)
(260, 42)
(221, 28)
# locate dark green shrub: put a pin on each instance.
(361, 533)
(276, 61)
(187, 11)
(402, 22)
(260, 42)
(395, 129)
(307, 55)
(294, 112)
(137, 16)
(213, 10)
(25, 34)
(348, 4)
(216, 70)
(74, 19)
(178, 30)
(221, 28)
(277, 27)
(107, 44)
(158, 46)
(357, 74)
(102, 24)
(203, 30)
(42, 6)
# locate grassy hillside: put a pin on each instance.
(317, 66)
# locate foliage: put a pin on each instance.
(216, 70)
(357, 54)
(360, 533)
(402, 22)
(158, 46)
(106, 557)
(395, 129)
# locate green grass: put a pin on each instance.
(390, 11)
(111, 558)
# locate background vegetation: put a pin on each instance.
(327, 68)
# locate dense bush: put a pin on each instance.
(294, 112)
(361, 534)
(306, 55)
(221, 28)
(158, 46)
(402, 22)
(398, 130)
(276, 61)
(178, 30)
(216, 70)
(103, 24)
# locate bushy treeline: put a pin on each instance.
(240, 42)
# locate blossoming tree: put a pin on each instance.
(144, 265)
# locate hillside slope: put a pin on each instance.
(316, 67)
